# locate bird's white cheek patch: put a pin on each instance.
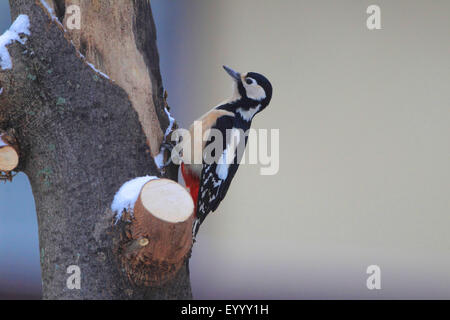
(255, 92)
(228, 155)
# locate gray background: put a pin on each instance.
(364, 155)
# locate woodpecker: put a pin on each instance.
(208, 182)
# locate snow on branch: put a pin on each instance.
(127, 195)
(159, 159)
(51, 13)
(21, 26)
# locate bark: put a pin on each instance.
(81, 136)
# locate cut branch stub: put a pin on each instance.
(9, 153)
(159, 238)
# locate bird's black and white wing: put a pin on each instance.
(216, 177)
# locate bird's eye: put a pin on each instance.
(249, 81)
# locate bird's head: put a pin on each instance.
(252, 92)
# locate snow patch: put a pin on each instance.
(172, 121)
(2, 143)
(128, 194)
(20, 26)
(51, 13)
(48, 8)
(95, 69)
(159, 159)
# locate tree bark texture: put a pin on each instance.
(81, 136)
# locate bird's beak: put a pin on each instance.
(235, 75)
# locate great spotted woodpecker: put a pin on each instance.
(208, 182)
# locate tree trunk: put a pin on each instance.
(82, 135)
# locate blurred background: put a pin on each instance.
(364, 173)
